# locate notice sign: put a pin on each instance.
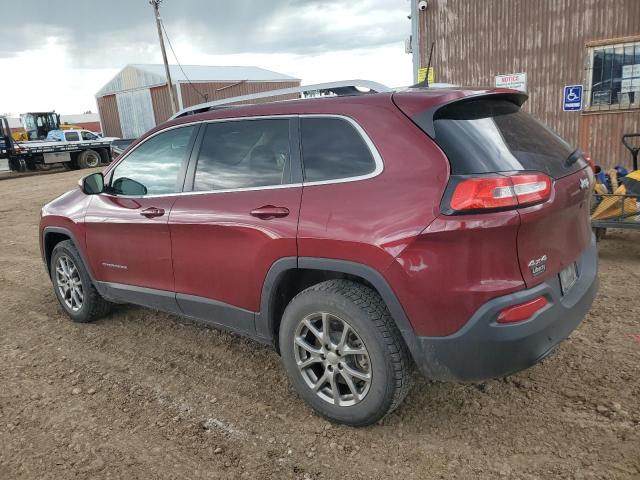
(515, 81)
(422, 75)
(572, 99)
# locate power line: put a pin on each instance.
(203, 95)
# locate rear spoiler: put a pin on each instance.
(426, 117)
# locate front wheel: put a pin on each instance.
(73, 286)
(343, 352)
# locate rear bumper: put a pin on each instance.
(484, 349)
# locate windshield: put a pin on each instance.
(52, 121)
(487, 135)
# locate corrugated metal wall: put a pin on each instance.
(136, 112)
(109, 116)
(220, 90)
(130, 78)
(161, 103)
(603, 133)
(477, 40)
(124, 118)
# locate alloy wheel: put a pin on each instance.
(69, 283)
(332, 359)
(93, 160)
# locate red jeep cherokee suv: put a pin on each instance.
(359, 235)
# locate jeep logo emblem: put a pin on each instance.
(538, 265)
(584, 183)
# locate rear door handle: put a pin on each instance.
(269, 211)
(152, 212)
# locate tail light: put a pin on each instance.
(522, 311)
(499, 192)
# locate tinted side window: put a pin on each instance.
(332, 149)
(154, 165)
(244, 154)
(72, 137)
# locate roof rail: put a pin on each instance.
(341, 88)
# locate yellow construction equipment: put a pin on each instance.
(37, 125)
(623, 203)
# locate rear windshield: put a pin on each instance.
(487, 135)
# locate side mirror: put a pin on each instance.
(92, 184)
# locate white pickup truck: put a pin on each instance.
(76, 136)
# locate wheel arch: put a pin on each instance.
(304, 271)
(51, 236)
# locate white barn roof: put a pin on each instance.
(137, 76)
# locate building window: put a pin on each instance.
(613, 76)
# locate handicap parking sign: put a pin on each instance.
(572, 98)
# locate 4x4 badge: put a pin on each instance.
(538, 265)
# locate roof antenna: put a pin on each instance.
(425, 82)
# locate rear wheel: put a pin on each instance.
(105, 156)
(73, 287)
(343, 353)
(17, 165)
(88, 159)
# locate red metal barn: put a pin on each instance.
(137, 98)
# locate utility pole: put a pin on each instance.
(415, 40)
(156, 8)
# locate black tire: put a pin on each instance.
(388, 363)
(89, 159)
(105, 156)
(93, 306)
(16, 165)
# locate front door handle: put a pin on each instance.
(269, 211)
(152, 212)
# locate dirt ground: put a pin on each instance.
(142, 394)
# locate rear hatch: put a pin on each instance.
(489, 138)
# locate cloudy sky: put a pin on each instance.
(57, 55)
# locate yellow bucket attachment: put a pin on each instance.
(616, 205)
